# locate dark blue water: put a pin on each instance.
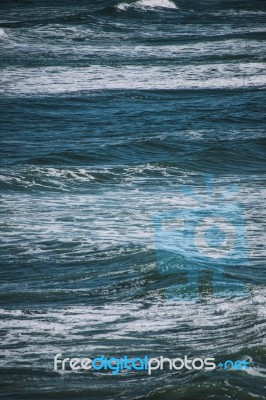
(108, 112)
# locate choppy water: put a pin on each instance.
(108, 111)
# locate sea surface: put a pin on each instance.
(112, 113)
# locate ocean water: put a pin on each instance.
(110, 111)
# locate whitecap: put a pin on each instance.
(2, 33)
(54, 80)
(148, 4)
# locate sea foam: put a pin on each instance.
(148, 4)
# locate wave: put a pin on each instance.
(147, 4)
(44, 325)
(2, 33)
(56, 80)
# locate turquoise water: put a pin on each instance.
(109, 112)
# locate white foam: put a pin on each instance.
(260, 372)
(2, 33)
(36, 333)
(55, 80)
(221, 48)
(148, 4)
(110, 221)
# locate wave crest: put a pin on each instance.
(2, 33)
(147, 4)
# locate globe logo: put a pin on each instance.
(206, 237)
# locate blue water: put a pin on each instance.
(109, 112)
